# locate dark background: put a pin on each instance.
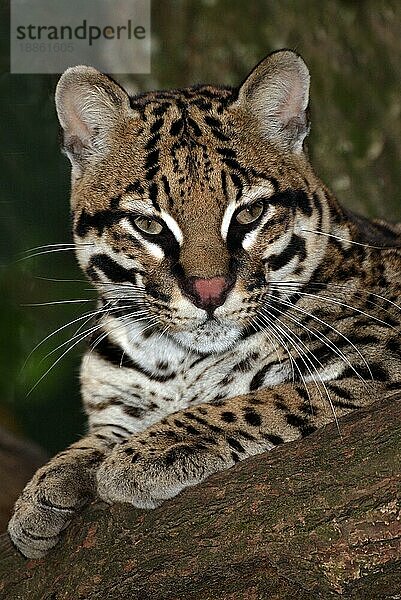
(353, 50)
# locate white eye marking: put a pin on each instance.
(250, 237)
(249, 195)
(227, 219)
(135, 204)
(125, 224)
(173, 226)
(253, 192)
(153, 249)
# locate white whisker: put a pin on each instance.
(45, 252)
(97, 326)
(90, 315)
(344, 305)
(272, 325)
(305, 357)
(78, 301)
(340, 239)
(337, 351)
(294, 286)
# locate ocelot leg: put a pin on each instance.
(55, 493)
(188, 446)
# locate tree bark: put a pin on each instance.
(316, 518)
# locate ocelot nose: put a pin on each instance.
(210, 293)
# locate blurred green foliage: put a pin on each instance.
(353, 50)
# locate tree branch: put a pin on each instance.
(317, 518)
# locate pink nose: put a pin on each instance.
(211, 291)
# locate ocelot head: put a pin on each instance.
(191, 206)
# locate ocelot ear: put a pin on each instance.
(276, 93)
(89, 106)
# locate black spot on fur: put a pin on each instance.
(134, 411)
(212, 122)
(176, 127)
(396, 385)
(245, 365)
(153, 290)
(303, 203)
(153, 191)
(376, 371)
(152, 159)
(245, 435)
(170, 457)
(99, 221)
(340, 392)
(281, 405)
(134, 187)
(259, 378)
(195, 127)
(287, 198)
(252, 417)
(167, 190)
(152, 142)
(162, 365)
(302, 392)
(156, 126)
(309, 409)
(192, 430)
(300, 423)
(295, 421)
(228, 417)
(129, 451)
(233, 443)
(394, 346)
(276, 440)
(114, 202)
(344, 404)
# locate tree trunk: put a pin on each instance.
(316, 518)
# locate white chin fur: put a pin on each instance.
(210, 336)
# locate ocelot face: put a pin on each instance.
(188, 211)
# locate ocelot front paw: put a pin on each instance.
(145, 472)
(45, 508)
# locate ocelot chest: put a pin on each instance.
(157, 377)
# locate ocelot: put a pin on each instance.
(240, 306)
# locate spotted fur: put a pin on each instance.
(176, 387)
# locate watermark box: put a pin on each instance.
(48, 36)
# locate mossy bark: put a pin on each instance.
(317, 518)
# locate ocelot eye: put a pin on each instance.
(148, 225)
(250, 213)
